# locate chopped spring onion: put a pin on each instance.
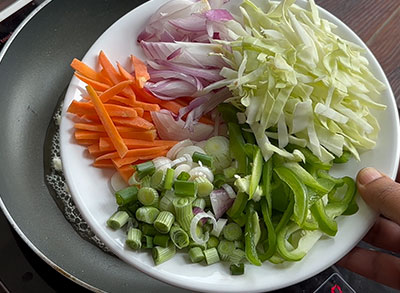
(182, 168)
(157, 179)
(218, 228)
(212, 242)
(162, 163)
(232, 232)
(218, 148)
(164, 221)
(199, 202)
(206, 160)
(230, 172)
(162, 254)
(219, 180)
(211, 256)
(185, 188)
(201, 171)
(229, 190)
(196, 254)
(184, 176)
(134, 238)
(147, 241)
(183, 211)
(117, 182)
(193, 227)
(161, 240)
(190, 150)
(177, 147)
(145, 169)
(134, 180)
(148, 229)
(237, 256)
(148, 196)
(117, 220)
(126, 196)
(204, 186)
(147, 214)
(237, 269)
(179, 237)
(225, 249)
(166, 202)
(169, 178)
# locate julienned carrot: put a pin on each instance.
(109, 126)
(83, 135)
(87, 71)
(146, 106)
(149, 135)
(106, 145)
(114, 90)
(118, 162)
(137, 123)
(139, 111)
(147, 116)
(142, 152)
(126, 172)
(88, 108)
(104, 164)
(141, 73)
(113, 75)
(100, 127)
(87, 142)
(95, 150)
(97, 85)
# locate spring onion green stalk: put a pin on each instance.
(157, 179)
(183, 212)
(126, 196)
(237, 256)
(206, 160)
(148, 229)
(145, 169)
(185, 188)
(196, 254)
(219, 180)
(162, 254)
(169, 178)
(225, 249)
(232, 232)
(166, 202)
(212, 242)
(211, 256)
(179, 237)
(117, 220)
(237, 269)
(134, 238)
(161, 240)
(200, 203)
(148, 196)
(147, 241)
(147, 214)
(204, 186)
(164, 221)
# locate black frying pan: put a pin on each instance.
(34, 71)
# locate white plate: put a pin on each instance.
(90, 186)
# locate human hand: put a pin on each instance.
(383, 195)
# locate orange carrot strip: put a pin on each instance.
(87, 142)
(113, 75)
(100, 127)
(126, 172)
(133, 153)
(106, 145)
(137, 123)
(87, 71)
(94, 83)
(206, 120)
(87, 108)
(139, 111)
(145, 135)
(103, 164)
(118, 162)
(82, 135)
(95, 150)
(114, 90)
(108, 124)
(147, 116)
(141, 73)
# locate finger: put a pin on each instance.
(381, 267)
(384, 234)
(380, 192)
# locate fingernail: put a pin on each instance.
(367, 175)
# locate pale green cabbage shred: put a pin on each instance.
(298, 82)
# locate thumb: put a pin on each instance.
(380, 192)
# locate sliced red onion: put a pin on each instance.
(170, 129)
(229, 190)
(220, 202)
(159, 75)
(194, 23)
(218, 15)
(192, 105)
(174, 54)
(193, 227)
(171, 89)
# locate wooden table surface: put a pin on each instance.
(377, 23)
